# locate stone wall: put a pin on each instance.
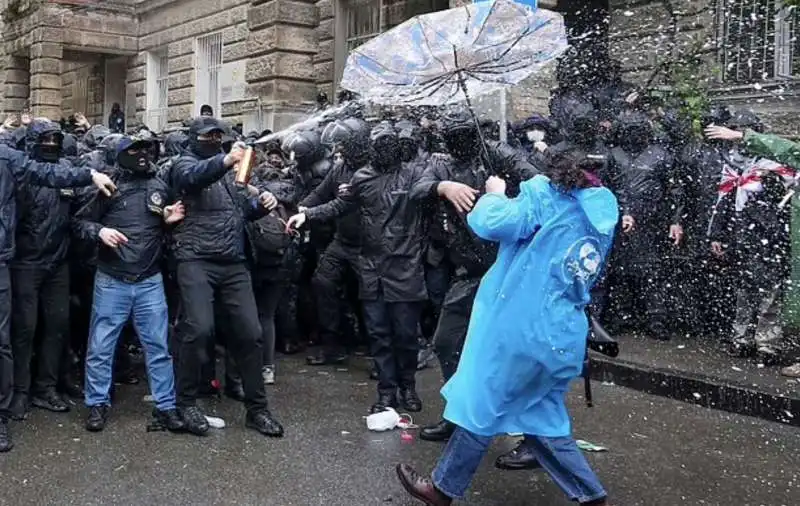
(174, 26)
(82, 88)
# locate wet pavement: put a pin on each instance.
(662, 452)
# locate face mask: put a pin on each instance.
(385, 153)
(463, 144)
(535, 135)
(408, 150)
(136, 162)
(206, 149)
(46, 153)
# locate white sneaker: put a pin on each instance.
(268, 373)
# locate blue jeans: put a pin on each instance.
(114, 302)
(560, 457)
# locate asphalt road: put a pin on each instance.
(661, 452)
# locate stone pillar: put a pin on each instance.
(45, 82)
(325, 59)
(282, 43)
(16, 85)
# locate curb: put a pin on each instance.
(699, 389)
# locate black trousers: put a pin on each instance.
(40, 299)
(437, 280)
(451, 331)
(392, 328)
(6, 358)
(334, 266)
(203, 283)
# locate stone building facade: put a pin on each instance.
(262, 62)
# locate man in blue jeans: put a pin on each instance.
(130, 226)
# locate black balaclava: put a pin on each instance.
(585, 125)
(36, 133)
(140, 163)
(385, 146)
(206, 126)
(633, 131)
(461, 135)
(409, 140)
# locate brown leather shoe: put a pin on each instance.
(421, 488)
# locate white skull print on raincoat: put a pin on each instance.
(528, 329)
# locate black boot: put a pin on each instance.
(264, 423)
(19, 406)
(170, 420)
(517, 459)
(410, 401)
(195, 421)
(234, 390)
(50, 401)
(98, 416)
(70, 387)
(437, 433)
(6, 444)
(384, 401)
(329, 358)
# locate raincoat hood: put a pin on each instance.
(600, 207)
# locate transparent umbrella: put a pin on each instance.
(452, 55)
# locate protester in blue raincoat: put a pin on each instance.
(527, 333)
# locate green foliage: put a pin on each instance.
(688, 83)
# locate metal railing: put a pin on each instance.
(757, 40)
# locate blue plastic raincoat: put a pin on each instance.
(527, 334)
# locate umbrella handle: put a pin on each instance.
(485, 151)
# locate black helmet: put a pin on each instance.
(717, 115)
(305, 145)
(95, 135)
(109, 147)
(745, 119)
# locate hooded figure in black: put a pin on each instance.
(43, 167)
(451, 185)
(391, 272)
(116, 120)
(349, 141)
(693, 228)
(40, 280)
(309, 163)
(755, 236)
(211, 250)
(649, 196)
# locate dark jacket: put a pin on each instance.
(43, 225)
(136, 210)
(348, 226)
(16, 169)
(470, 255)
(216, 211)
(391, 262)
(276, 253)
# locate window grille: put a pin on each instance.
(757, 40)
(208, 68)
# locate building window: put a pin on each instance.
(208, 65)
(157, 113)
(757, 40)
(364, 21)
(358, 21)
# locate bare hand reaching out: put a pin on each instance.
(112, 238)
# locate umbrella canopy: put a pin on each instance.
(451, 55)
